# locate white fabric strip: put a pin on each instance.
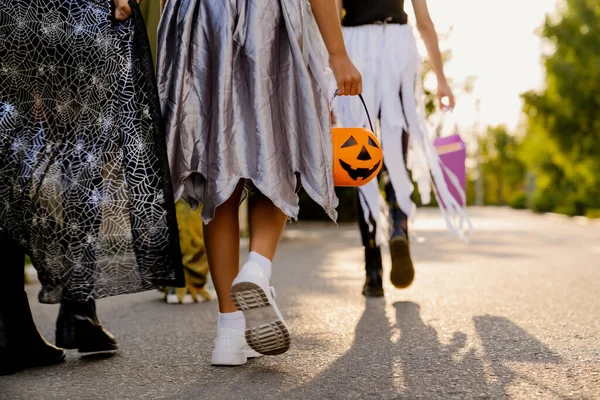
(389, 61)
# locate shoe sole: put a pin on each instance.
(233, 359)
(253, 354)
(228, 359)
(98, 353)
(85, 349)
(5, 371)
(373, 293)
(13, 369)
(403, 271)
(266, 332)
(57, 360)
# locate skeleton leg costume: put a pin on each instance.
(388, 58)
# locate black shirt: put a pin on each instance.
(364, 12)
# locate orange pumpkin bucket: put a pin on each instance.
(357, 155)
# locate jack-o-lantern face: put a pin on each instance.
(357, 157)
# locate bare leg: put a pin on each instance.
(222, 242)
(266, 330)
(266, 226)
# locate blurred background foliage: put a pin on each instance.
(561, 147)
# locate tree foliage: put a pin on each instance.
(562, 145)
(503, 171)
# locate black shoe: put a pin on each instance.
(403, 271)
(21, 345)
(78, 327)
(374, 270)
(373, 286)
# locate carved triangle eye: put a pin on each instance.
(372, 143)
(350, 142)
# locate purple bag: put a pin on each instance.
(453, 153)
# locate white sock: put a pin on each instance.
(263, 262)
(232, 320)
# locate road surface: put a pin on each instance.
(513, 314)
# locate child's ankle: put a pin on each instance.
(233, 320)
(263, 262)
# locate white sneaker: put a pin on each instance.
(231, 348)
(173, 299)
(266, 331)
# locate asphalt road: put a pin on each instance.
(513, 314)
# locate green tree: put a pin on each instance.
(503, 171)
(562, 145)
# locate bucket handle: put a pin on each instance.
(366, 109)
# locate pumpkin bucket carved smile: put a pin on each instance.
(359, 173)
(357, 155)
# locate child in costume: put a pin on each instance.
(195, 262)
(84, 180)
(246, 90)
(382, 44)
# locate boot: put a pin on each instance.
(78, 327)
(374, 268)
(403, 271)
(21, 345)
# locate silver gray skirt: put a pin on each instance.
(246, 90)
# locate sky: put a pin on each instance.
(495, 41)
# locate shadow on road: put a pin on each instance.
(432, 369)
(504, 342)
(366, 370)
(418, 365)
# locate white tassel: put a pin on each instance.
(387, 74)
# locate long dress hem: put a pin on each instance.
(84, 185)
(244, 89)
